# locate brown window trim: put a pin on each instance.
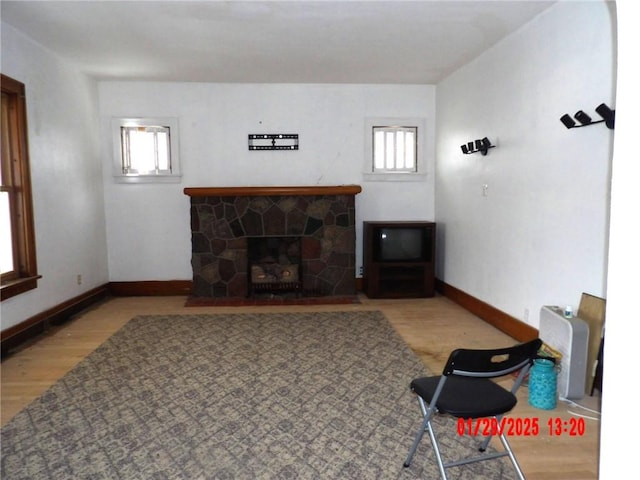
(16, 287)
(25, 277)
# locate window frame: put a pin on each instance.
(172, 175)
(16, 177)
(399, 123)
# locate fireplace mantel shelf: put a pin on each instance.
(272, 191)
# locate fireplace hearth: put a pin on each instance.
(249, 241)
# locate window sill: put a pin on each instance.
(18, 286)
(395, 177)
(148, 178)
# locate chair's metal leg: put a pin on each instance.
(507, 447)
(427, 413)
(426, 425)
(487, 440)
(436, 449)
(416, 442)
(485, 443)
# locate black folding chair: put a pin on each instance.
(465, 390)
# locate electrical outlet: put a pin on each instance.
(485, 189)
(526, 314)
(79, 279)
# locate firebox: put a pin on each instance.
(275, 265)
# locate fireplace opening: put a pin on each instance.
(275, 265)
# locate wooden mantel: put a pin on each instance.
(272, 191)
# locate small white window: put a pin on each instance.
(394, 149)
(146, 150)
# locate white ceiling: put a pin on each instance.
(395, 42)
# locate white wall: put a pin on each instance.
(66, 176)
(622, 327)
(539, 237)
(148, 230)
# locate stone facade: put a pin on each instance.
(222, 225)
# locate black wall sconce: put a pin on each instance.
(481, 146)
(608, 118)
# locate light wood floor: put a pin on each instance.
(432, 327)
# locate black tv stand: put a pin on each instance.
(398, 278)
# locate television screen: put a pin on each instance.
(402, 244)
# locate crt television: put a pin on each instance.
(402, 242)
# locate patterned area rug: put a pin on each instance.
(235, 396)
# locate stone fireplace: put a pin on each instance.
(255, 240)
